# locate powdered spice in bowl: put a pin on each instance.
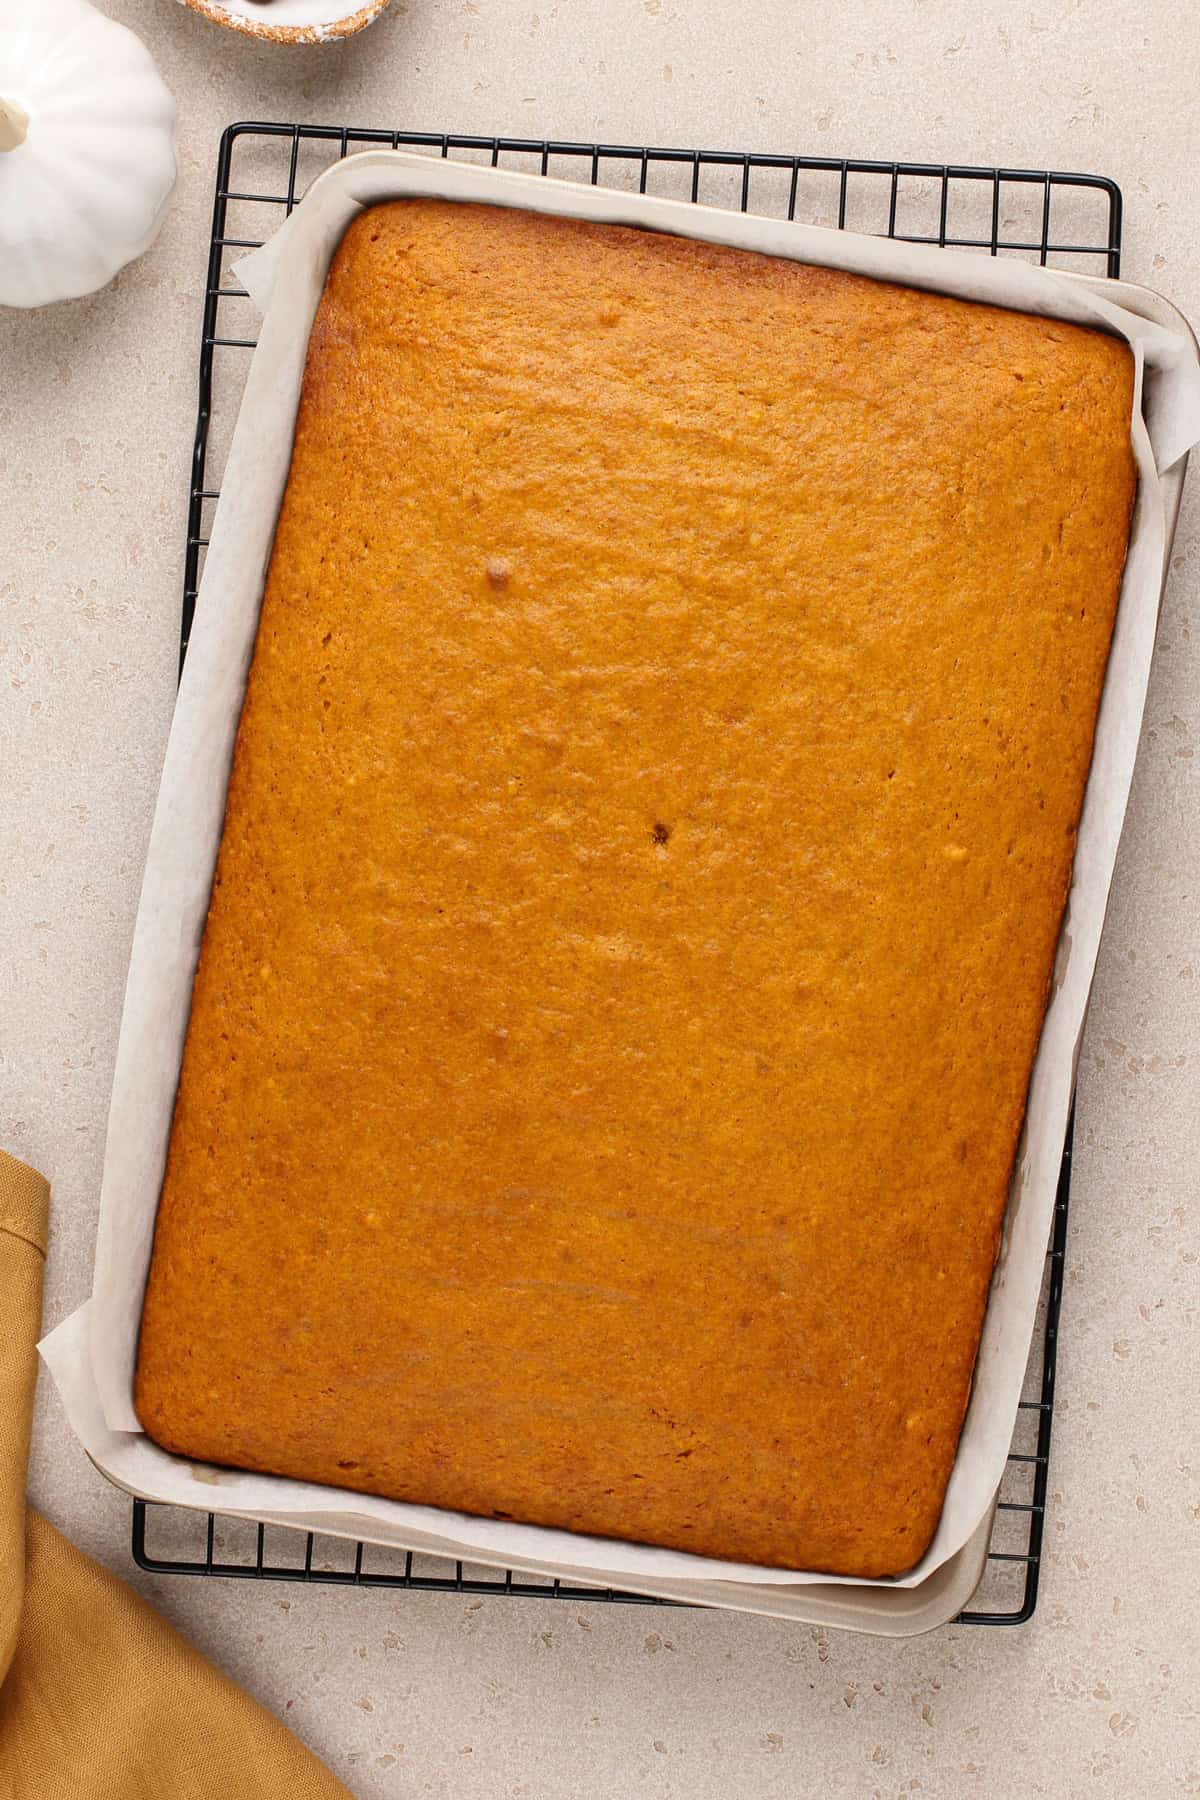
(291, 21)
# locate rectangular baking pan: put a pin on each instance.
(901, 1611)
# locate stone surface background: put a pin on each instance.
(442, 1696)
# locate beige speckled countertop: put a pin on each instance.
(434, 1695)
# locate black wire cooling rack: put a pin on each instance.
(1069, 221)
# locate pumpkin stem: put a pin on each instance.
(14, 123)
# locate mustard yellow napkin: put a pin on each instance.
(101, 1699)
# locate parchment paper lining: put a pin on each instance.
(92, 1354)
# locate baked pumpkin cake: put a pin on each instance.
(650, 824)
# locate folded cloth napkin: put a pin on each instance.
(101, 1699)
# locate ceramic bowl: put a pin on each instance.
(291, 21)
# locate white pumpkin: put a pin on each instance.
(87, 150)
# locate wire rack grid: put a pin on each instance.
(1063, 220)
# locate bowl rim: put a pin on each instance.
(216, 13)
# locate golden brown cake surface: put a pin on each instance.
(649, 828)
